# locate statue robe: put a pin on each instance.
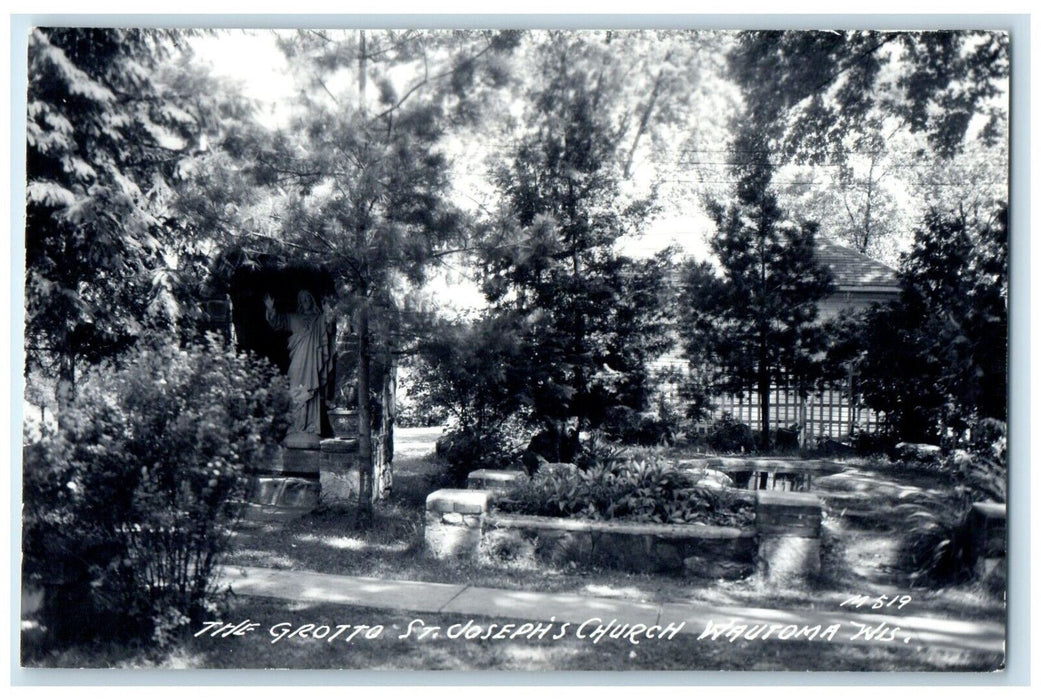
(309, 366)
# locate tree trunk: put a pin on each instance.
(365, 468)
(65, 390)
(764, 410)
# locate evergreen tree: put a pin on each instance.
(756, 322)
(938, 357)
(591, 318)
(365, 177)
(112, 128)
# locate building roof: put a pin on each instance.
(853, 270)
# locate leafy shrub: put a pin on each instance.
(870, 443)
(472, 374)
(640, 428)
(465, 449)
(649, 490)
(412, 415)
(937, 545)
(129, 500)
(729, 435)
(937, 548)
(986, 470)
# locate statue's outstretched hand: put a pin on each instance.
(269, 303)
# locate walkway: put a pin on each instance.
(856, 627)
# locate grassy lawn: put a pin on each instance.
(389, 651)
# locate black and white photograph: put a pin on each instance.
(515, 349)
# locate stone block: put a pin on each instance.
(338, 486)
(786, 560)
(260, 513)
(788, 513)
(716, 566)
(452, 526)
(447, 535)
(470, 501)
(297, 461)
(290, 492)
(302, 441)
(988, 523)
(492, 479)
(339, 445)
(264, 490)
(299, 493)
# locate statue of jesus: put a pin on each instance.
(310, 364)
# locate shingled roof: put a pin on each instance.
(853, 270)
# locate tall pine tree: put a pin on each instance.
(591, 318)
(755, 323)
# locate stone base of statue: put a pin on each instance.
(292, 481)
(302, 441)
(285, 488)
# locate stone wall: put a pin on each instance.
(783, 547)
(988, 524)
(695, 550)
(454, 519)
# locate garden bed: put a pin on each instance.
(648, 491)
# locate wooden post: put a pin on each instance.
(802, 422)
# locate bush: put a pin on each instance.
(640, 428)
(411, 415)
(472, 375)
(464, 449)
(650, 490)
(938, 549)
(937, 545)
(872, 443)
(729, 435)
(130, 499)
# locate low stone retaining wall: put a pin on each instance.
(454, 520)
(695, 550)
(783, 546)
(789, 528)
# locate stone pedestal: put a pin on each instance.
(789, 529)
(284, 488)
(989, 535)
(454, 518)
(338, 471)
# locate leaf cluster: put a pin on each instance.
(648, 490)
